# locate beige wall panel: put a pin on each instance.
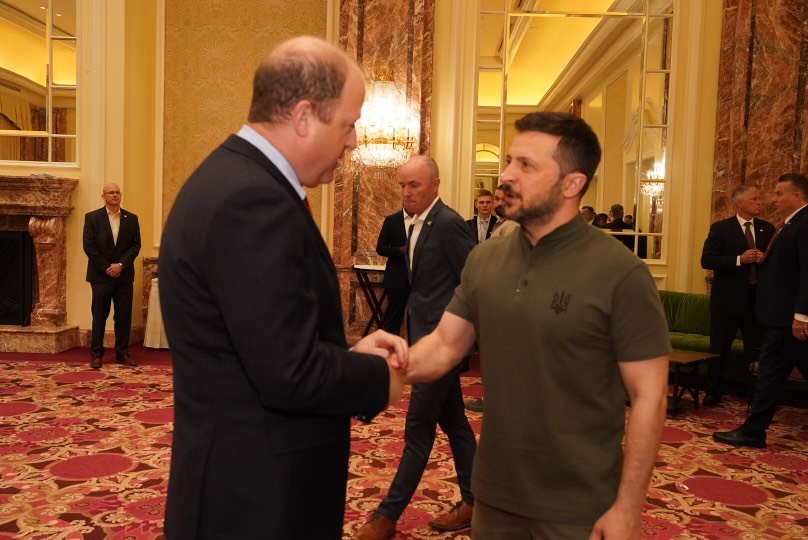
(212, 50)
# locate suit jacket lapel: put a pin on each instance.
(245, 148)
(241, 146)
(762, 238)
(739, 235)
(108, 240)
(424, 234)
(779, 233)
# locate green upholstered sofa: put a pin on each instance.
(688, 316)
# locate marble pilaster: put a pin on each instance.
(762, 128)
(363, 196)
(51, 270)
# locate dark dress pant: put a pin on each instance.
(781, 351)
(396, 305)
(723, 330)
(118, 293)
(432, 404)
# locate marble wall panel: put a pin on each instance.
(212, 49)
(761, 126)
(378, 33)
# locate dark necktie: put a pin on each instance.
(750, 241)
(407, 247)
(308, 206)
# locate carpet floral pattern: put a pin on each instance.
(84, 455)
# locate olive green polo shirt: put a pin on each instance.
(552, 322)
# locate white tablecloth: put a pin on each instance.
(155, 337)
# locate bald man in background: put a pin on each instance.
(111, 241)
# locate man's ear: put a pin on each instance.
(301, 117)
(572, 184)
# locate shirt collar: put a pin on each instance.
(273, 154)
(561, 235)
(422, 215)
(742, 220)
(794, 213)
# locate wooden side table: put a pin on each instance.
(689, 381)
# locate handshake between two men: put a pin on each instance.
(430, 358)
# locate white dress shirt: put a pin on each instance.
(418, 221)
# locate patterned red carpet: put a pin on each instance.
(85, 454)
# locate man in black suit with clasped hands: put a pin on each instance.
(111, 241)
(734, 250)
(782, 309)
(264, 383)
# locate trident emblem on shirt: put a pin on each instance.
(561, 302)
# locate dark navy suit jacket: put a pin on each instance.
(782, 287)
(264, 384)
(724, 243)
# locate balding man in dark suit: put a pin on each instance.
(439, 242)
(111, 241)
(264, 383)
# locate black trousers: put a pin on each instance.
(119, 293)
(396, 304)
(439, 403)
(780, 353)
(723, 329)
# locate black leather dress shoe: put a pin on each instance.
(737, 437)
(711, 400)
(125, 361)
(95, 362)
(475, 404)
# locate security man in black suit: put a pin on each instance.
(439, 242)
(111, 242)
(733, 250)
(782, 309)
(391, 244)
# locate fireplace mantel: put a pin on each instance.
(45, 201)
(41, 196)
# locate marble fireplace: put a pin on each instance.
(40, 204)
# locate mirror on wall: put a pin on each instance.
(38, 80)
(608, 61)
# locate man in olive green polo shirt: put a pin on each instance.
(568, 322)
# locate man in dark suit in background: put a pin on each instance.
(264, 383)
(618, 225)
(111, 241)
(782, 309)
(734, 250)
(391, 244)
(439, 243)
(482, 225)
